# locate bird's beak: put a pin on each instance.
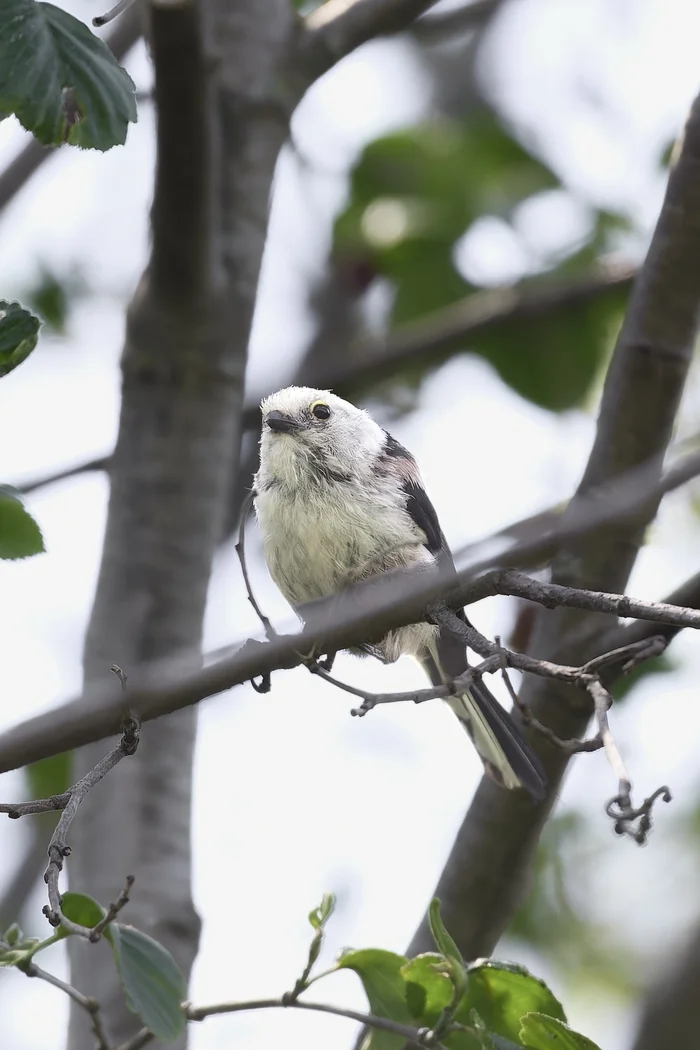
(282, 424)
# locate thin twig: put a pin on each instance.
(90, 1005)
(169, 685)
(114, 12)
(142, 1038)
(113, 910)
(58, 849)
(416, 1036)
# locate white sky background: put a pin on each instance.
(292, 796)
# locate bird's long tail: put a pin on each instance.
(498, 741)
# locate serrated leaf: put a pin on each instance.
(501, 994)
(20, 536)
(540, 1032)
(60, 80)
(153, 982)
(428, 988)
(19, 331)
(380, 973)
(80, 908)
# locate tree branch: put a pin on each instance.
(484, 877)
(416, 1037)
(368, 610)
(58, 848)
(338, 27)
(91, 1006)
(368, 361)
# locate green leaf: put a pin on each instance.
(20, 536)
(153, 982)
(19, 331)
(13, 935)
(539, 1032)
(80, 908)
(554, 356)
(61, 81)
(440, 935)
(428, 988)
(380, 973)
(501, 994)
(50, 776)
(320, 916)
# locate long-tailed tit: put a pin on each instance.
(339, 500)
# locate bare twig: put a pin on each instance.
(69, 802)
(114, 12)
(141, 1039)
(270, 632)
(420, 1037)
(113, 910)
(90, 1005)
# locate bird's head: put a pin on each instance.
(308, 430)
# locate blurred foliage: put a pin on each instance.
(50, 776)
(19, 331)
(414, 195)
(52, 295)
(549, 920)
(60, 80)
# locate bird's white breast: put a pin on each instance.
(318, 540)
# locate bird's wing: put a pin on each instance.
(507, 758)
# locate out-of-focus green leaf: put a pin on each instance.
(20, 536)
(50, 776)
(415, 193)
(549, 920)
(60, 80)
(540, 1032)
(658, 665)
(551, 358)
(380, 973)
(52, 296)
(153, 982)
(19, 331)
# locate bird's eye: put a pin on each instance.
(320, 409)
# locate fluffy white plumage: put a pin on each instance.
(339, 500)
(327, 515)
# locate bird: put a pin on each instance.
(339, 500)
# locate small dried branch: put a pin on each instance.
(90, 1005)
(112, 911)
(68, 802)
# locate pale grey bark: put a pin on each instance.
(219, 134)
(487, 871)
